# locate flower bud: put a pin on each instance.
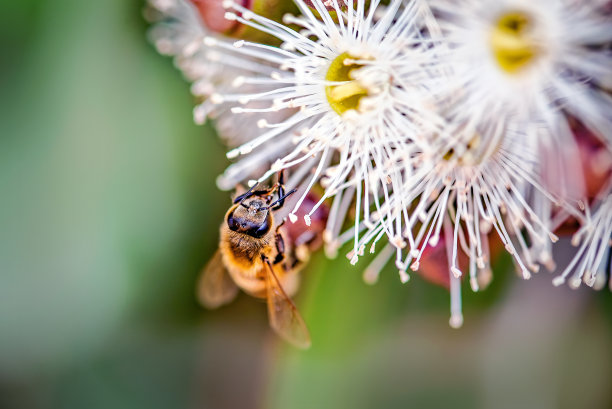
(595, 158)
(434, 266)
(213, 16)
(212, 13)
(590, 165)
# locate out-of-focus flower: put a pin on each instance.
(531, 63)
(179, 31)
(362, 82)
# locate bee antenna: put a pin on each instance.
(245, 206)
(282, 198)
(245, 195)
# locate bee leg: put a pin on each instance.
(281, 190)
(281, 183)
(278, 186)
(265, 193)
(280, 248)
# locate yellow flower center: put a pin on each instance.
(346, 96)
(512, 43)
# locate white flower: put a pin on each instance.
(593, 256)
(533, 63)
(361, 85)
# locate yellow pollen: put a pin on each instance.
(474, 153)
(512, 43)
(346, 96)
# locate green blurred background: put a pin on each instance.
(109, 209)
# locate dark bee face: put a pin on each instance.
(251, 218)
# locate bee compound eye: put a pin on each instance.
(231, 222)
(261, 230)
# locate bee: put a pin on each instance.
(261, 258)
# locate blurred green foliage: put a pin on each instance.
(109, 209)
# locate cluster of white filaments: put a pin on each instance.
(421, 129)
(592, 263)
(469, 193)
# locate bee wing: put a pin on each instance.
(215, 286)
(284, 316)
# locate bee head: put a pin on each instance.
(250, 217)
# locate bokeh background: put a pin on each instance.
(109, 209)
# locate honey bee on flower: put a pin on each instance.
(358, 84)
